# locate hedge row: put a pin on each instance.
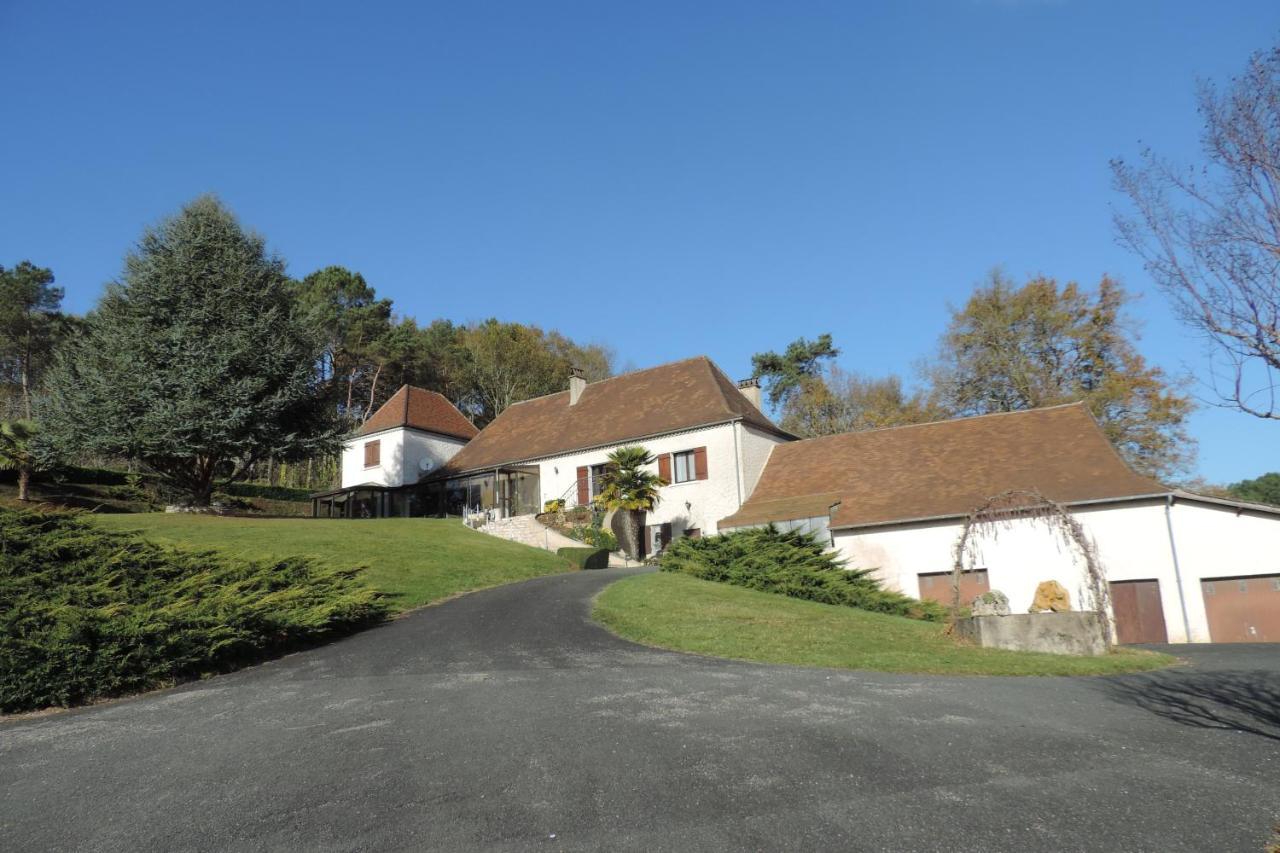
(789, 563)
(88, 613)
(586, 558)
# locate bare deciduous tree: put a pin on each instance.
(1210, 235)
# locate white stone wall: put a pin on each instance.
(1132, 542)
(708, 500)
(401, 453)
(754, 446)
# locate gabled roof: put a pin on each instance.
(633, 406)
(418, 408)
(943, 469)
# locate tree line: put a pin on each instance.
(1010, 347)
(204, 362)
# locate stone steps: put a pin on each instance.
(527, 530)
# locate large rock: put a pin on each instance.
(992, 603)
(1051, 596)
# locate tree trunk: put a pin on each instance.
(24, 483)
(628, 526)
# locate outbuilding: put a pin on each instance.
(1180, 567)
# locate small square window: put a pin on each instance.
(1275, 584)
(1209, 588)
(1243, 585)
(372, 453)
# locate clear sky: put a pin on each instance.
(668, 178)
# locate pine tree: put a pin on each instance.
(196, 363)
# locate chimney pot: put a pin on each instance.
(576, 385)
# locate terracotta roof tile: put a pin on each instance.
(420, 409)
(654, 401)
(942, 469)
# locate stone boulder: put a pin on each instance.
(993, 603)
(1051, 596)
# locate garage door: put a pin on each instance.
(1138, 611)
(1243, 609)
(936, 586)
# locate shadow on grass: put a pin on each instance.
(1233, 700)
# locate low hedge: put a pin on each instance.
(789, 563)
(275, 493)
(87, 613)
(586, 558)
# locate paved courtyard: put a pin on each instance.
(508, 720)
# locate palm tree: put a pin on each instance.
(630, 491)
(17, 452)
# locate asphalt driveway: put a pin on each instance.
(507, 720)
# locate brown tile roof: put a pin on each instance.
(941, 469)
(420, 409)
(658, 400)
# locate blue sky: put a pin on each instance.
(669, 178)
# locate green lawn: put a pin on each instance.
(686, 614)
(414, 560)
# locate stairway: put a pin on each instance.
(527, 530)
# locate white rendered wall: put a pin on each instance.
(1132, 542)
(708, 500)
(400, 455)
(754, 446)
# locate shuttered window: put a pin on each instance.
(372, 453)
(687, 465)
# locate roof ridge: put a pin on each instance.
(616, 376)
(963, 418)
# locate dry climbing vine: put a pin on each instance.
(1008, 508)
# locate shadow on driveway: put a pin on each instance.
(1223, 688)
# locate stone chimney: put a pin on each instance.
(576, 385)
(750, 389)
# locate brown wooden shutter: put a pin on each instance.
(372, 453)
(584, 488)
(664, 467)
(700, 463)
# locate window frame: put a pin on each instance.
(691, 468)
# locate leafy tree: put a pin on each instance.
(630, 491)
(30, 321)
(840, 402)
(785, 374)
(506, 363)
(196, 363)
(355, 325)
(1262, 490)
(19, 453)
(1211, 236)
(1013, 348)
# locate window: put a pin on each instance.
(597, 480)
(372, 453)
(693, 532)
(683, 467)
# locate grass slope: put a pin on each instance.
(674, 611)
(414, 560)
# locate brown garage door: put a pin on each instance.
(936, 586)
(1243, 609)
(1139, 612)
